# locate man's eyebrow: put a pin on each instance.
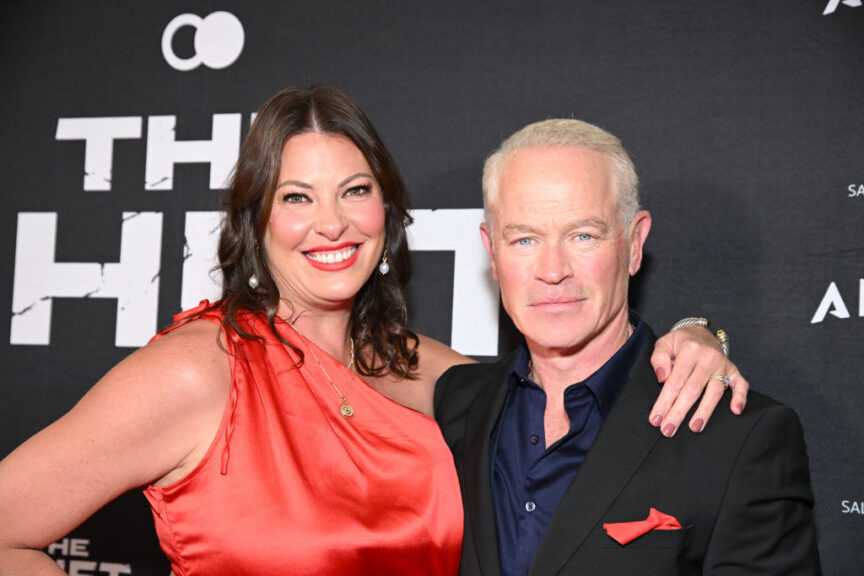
(518, 228)
(598, 223)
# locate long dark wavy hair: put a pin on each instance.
(379, 318)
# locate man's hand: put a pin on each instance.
(683, 361)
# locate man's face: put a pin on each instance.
(559, 250)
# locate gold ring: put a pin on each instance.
(722, 379)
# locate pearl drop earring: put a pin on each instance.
(384, 266)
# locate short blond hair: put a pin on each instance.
(563, 132)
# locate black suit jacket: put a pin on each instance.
(740, 489)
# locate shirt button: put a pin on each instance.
(534, 439)
(530, 506)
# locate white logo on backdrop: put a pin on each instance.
(833, 4)
(73, 556)
(833, 303)
(134, 280)
(219, 41)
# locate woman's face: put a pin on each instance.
(326, 232)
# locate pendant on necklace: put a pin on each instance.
(345, 409)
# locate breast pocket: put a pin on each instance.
(657, 553)
(654, 540)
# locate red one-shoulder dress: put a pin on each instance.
(290, 486)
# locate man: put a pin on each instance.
(552, 443)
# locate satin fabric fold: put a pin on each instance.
(290, 486)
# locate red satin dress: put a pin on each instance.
(289, 486)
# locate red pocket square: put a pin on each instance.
(626, 532)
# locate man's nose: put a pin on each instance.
(553, 264)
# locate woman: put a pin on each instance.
(264, 425)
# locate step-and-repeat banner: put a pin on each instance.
(122, 120)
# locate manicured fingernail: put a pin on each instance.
(661, 374)
(669, 430)
(697, 425)
(738, 408)
(656, 420)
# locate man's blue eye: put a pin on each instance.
(585, 237)
(524, 241)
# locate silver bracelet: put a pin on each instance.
(724, 341)
(722, 336)
(690, 322)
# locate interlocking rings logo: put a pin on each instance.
(833, 4)
(218, 41)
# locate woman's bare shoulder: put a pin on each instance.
(417, 393)
(179, 382)
(150, 419)
(436, 357)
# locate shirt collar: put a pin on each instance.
(607, 381)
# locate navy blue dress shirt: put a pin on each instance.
(529, 481)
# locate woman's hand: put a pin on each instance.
(684, 360)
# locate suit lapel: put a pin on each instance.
(479, 425)
(624, 440)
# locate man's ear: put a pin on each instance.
(639, 228)
(486, 236)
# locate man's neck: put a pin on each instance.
(554, 369)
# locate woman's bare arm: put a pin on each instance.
(150, 419)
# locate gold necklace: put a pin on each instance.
(345, 409)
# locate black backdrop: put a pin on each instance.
(744, 118)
